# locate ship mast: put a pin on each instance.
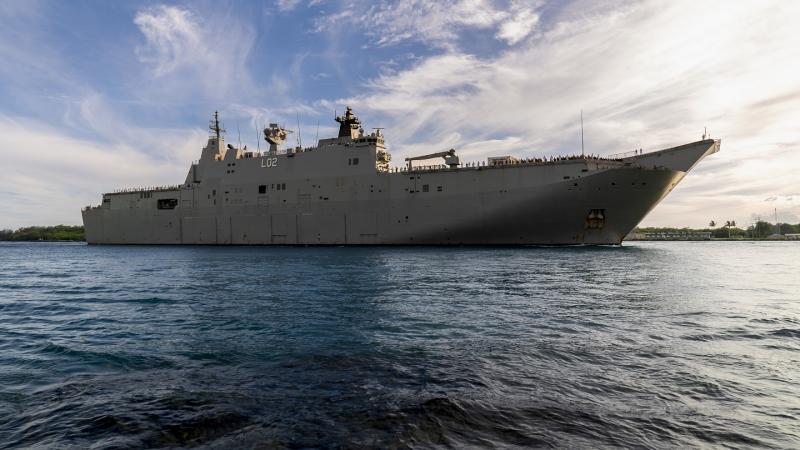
(213, 125)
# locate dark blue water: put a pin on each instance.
(648, 345)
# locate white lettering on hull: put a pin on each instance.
(269, 162)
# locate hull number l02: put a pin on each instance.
(269, 162)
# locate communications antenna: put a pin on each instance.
(299, 138)
(582, 152)
(258, 137)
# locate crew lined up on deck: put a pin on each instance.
(544, 160)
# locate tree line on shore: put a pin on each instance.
(758, 230)
(55, 233)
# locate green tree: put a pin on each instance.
(763, 229)
(56, 233)
(787, 228)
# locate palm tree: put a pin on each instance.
(730, 224)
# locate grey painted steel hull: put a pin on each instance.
(521, 204)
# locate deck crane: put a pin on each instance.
(449, 156)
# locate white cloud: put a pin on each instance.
(287, 5)
(646, 74)
(436, 23)
(190, 55)
(518, 27)
(49, 176)
(173, 39)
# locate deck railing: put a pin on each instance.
(624, 155)
(173, 187)
(520, 162)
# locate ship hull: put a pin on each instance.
(572, 202)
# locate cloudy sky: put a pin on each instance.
(98, 95)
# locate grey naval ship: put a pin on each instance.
(344, 192)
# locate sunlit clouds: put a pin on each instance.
(485, 77)
(51, 174)
(435, 23)
(647, 75)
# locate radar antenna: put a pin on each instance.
(275, 135)
(213, 125)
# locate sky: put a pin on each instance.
(100, 95)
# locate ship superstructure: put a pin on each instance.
(344, 192)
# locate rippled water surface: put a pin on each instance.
(651, 345)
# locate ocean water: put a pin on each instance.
(654, 345)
